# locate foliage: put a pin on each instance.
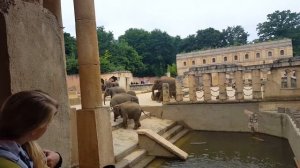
(233, 36)
(281, 24)
(105, 40)
(172, 69)
(71, 54)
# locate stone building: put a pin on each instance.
(251, 54)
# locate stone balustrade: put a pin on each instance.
(276, 81)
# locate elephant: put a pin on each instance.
(109, 84)
(121, 98)
(129, 110)
(158, 86)
(112, 91)
(131, 92)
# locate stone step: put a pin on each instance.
(144, 162)
(126, 140)
(179, 135)
(171, 132)
(173, 135)
(132, 158)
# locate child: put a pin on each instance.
(24, 118)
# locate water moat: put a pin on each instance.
(231, 150)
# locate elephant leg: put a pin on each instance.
(137, 124)
(115, 117)
(125, 118)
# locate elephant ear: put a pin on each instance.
(117, 107)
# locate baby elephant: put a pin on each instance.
(129, 110)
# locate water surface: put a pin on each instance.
(231, 150)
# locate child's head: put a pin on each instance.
(24, 112)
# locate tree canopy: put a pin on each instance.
(153, 53)
(281, 24)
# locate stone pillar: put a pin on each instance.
(179, 94)
(297, 77)
(92, 121)
(192, 88)
(166, 93)
(289, 74)
(54, 6)
(256, 84)
(206, 86)
(239, 86)
(222, 86)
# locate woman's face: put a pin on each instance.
(39, 132)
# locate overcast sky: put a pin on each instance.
(179, 17)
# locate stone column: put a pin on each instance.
(222, 86)
(297, 77)
(166, 93)
(54, 6)
(179, 94)
(94, 129)
(256, 84)
(192, 88)
(206, 86)
(239, 86)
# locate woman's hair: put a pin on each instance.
(36, 153)
(25, 111)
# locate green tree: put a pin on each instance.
(72, 65)
(105, 40)
(172, 69)
(125, 57)
(71, 54)
(233, 36)
(208, 38)
(281, 24)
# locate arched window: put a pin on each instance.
(281, 52)
(193, 62)
(257, 55)
(204, 61)
(246, 56)
(236, 57)
(184, 63)
(270, 54)
(225, 59)
(213, 60)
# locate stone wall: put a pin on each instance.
(251, 54)
(232, 117)
(35, 60)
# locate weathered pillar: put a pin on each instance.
(206, 86)
(54, 6)
(289, 74)
(239, 86)
(179, 94)
(222, 86)
(166, 93)
(256, 84)
(297, 71)
(94, 129)
(192, 88)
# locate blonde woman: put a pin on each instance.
(24, 118)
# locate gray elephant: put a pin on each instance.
(158, 86)
(109, 84)
(129, 110)
(112, 91)
(122, 98)
(131, 92)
